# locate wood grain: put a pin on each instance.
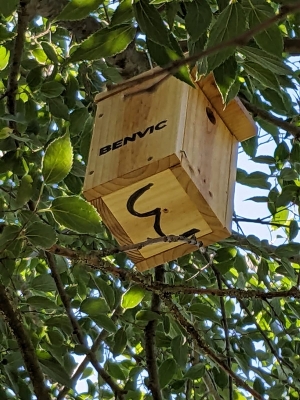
(190, 160)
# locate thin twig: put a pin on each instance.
(150, 345)
(56, 249)
(240, 40)
(259, 221)
(14, 320)
(265, 115)
(119, 393)
(194, 334)
(261, 331)
(225, 327)
(81, 367)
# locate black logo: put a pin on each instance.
(156, 212)
(126, 139)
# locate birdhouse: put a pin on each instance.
(163, 161)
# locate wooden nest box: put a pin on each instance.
(163, 161)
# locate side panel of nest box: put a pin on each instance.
(136, 134)
(163, 162)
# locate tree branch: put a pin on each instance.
(56, 249)
(31, 362)
(192, 331)
(80, 369)
(239, 40)
(292, 46)
(281, 123)
(150, 346)
(119, 393)
(225, 326)
(12, 85)
(160, 288)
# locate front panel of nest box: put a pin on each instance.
(154, 207)
(137, 133)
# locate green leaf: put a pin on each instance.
(257, 180)
(288, 250)
(270, 39)
(105, 322)
(166, 372)
(9, 234)
(204, 312)
(220, 378)
(258, 199)
(62, 321)
(58, 159)
(104, 43)
(4, 57)
(58, 109)
(76, 214)
(282, 152)
(123, 13)
(50, 51)
(225, 76)
(250, 146)
(179, 350)
(40, 302)
(25, 191)
(8, 7)
(276, 391)
(288, 174)
(78, 118)
(266, 60)
(151, 23)
(261, 74)
(195, 372)
(132, 297)
(264, 160)
(280, 217)
(41, 235)
(76, 10)
(94, 306)
(34, 78)
(43, 283)
(55, 372)
(147, 315)
(293, 229)
(259, 386)
(120, 342)
(164, 55)
(107, 291)
(198, 18)
(115, 371)
(230, 24)
(52, 89)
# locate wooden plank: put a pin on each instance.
(178, 216)
(130, 178)
(207, 153)
(135, 131)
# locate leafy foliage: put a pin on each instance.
(76, 318)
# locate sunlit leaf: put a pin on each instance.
(57, 161)
(230, 24)
(76, 214)
(104, 43)
(132, 297)
(78, 9)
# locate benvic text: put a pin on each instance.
(126, 139)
